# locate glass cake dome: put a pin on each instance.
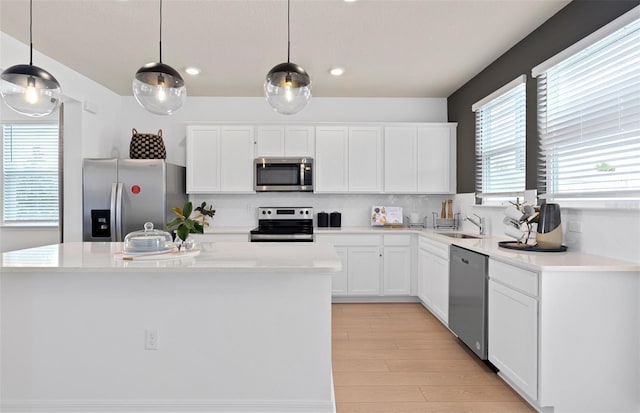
(148, 240)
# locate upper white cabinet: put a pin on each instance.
(412, 158)
(437, 159)
(401, 159)
(331, 162)
(365, 159)
(285, 141)
(203, 150)
(219, 159)
(420, 159)
(348, 159)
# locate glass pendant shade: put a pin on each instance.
(30, 90)
(159, 88)
(287, 88)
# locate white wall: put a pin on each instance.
(86, 134)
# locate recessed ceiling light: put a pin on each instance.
(193, 71)
(350, 1)
(337, 71)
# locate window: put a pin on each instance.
(29, 173)
(501, 143)
(589, 116)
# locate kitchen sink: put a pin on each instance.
(458, 235)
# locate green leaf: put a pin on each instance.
(174, 223)
(198, 228)
(183, 232)
(186, 211)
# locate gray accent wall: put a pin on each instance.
(575, 21)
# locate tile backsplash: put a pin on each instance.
(611, 233)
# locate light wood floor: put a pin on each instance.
(398, 358)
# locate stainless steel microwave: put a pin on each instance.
(283, 174)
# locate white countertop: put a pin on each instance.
(488, 245)
(315, 257)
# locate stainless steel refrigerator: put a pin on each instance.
(120, 195)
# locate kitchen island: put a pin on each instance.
(243, 327)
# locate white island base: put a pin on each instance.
(239, 328)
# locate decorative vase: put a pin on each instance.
(186, 245)
(549, 232)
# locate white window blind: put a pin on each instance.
(501, 142)
(30, 173)
(589, 120)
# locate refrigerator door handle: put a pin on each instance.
(112, 213)
(119, 212)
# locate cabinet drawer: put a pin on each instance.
(349, 239)
(434, 247)
(518, 278)
(403, 240)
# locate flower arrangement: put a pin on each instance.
(184, 224)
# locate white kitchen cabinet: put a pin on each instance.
(437, 159)
(513, 325)
(332, 159)
(397, 270)
(340, 280)
(364, 270)
(277, 141)
(396, 275)
(433, 277)
(236, 159)
(361, 257)
(202, 155)
(348, 159)
(420, 159)
(365, 160)
(219, 159)
(400, 159)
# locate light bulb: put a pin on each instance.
(288, 94)
(31, 95)
(161, 94)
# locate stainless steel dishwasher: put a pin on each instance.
(468, 298)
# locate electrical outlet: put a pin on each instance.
(151, 339)
(574, 226)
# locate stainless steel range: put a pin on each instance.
(276, 224)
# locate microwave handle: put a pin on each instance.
(302, 174)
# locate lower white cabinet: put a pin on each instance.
(433, 277)
(372, 265)
(340, 280)
(513, 327)
(364, 270)
(396, 275)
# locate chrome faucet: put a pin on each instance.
(480, 223)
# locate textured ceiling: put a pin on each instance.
(389, 48)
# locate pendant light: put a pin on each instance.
(157, 87)
(287, 87)
(28, 89)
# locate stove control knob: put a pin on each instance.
(264, 212)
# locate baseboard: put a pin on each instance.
(167, 406)
(375, 299)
